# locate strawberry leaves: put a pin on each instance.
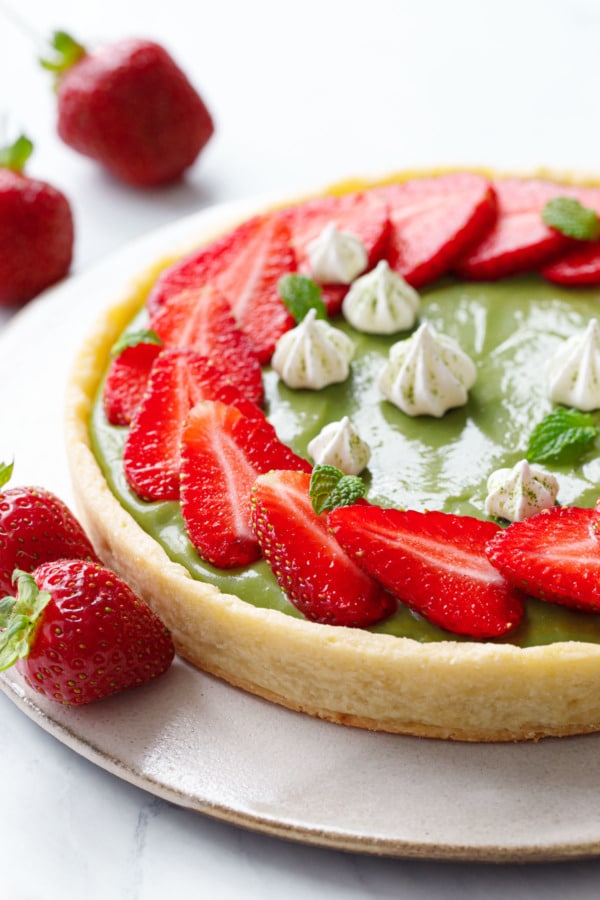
(18, 618)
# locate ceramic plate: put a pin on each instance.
(206, 746)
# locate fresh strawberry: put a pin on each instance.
(78, 633)
(128, 106)
(553, 555)
(36, 229)
(201, 319)
(36, 527)
(434, 220)
(223, 451)
(308, 563)
(178, 380)
(361, 213)
(519, 241)
(435, 563)
(128, 376)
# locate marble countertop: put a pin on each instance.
(303, 93)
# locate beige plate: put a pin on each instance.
(207, 746)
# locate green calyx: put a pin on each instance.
(133, 338)
(16, 155)
(330, 488)
(67, 52)
(571, 218)
(6, 470)
(301, 294)
(561, 437)
(18, 618)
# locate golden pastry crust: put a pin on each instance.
(452, 690)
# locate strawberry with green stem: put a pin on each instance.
(36, 527)
(130, 107)
(36, 229)
(77, 633)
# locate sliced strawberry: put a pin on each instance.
(245, 265)
(435, 563)
(178, 380)
(201, 319)
(126, 381)
(580, 264)
(434, 220)
(577, 267)
(308, 563)
(362, 214)
(554, 555)
(519, 241)
(200, 267)
(223, 452)
(250, 279)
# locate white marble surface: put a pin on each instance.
(302, 93)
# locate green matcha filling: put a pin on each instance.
(509, 329)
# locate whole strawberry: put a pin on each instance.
(36, 229)
(78, 633)
(35, 527)
(130, 107)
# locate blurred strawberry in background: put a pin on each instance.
(128, 106)
(36, 229)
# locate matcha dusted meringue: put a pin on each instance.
(313, 354)
(381, 302)
(518, 493)
(427, 374)
(336, 257)
(340, 445)
(574, 370)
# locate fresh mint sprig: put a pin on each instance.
(562, 436)
(301, 294)
(330, 488)
(571, 218)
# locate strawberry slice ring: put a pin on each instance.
(460, 687)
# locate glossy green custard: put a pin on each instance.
(510, 329)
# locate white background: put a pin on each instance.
(302, 93)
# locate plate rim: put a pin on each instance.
(133, 257)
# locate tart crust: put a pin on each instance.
(464, 690)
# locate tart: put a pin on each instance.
(508, 307)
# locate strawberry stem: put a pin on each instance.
(14, 156)
(6, 470)
(67, 51)
(18, 618)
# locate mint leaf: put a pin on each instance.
(330, 488)
(133, 338)
(301, 294)
(562, 437)
(571, 218)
